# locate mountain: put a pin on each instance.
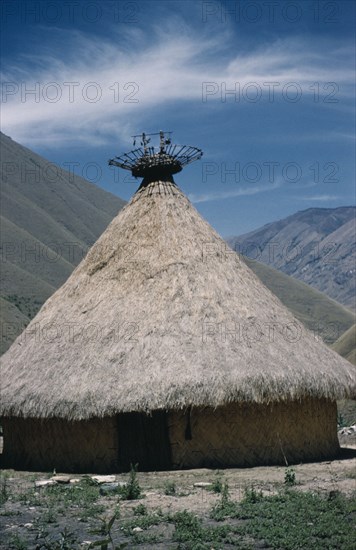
(316, 246)
(346, 344)
(319, 313)
(346, 347)
(49, 218)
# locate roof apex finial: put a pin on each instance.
(156, 162)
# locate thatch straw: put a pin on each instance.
(143, 323)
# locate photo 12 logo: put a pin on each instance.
(27, 172)
(69, 92)
(250, 332)
(127, 332)
(71, 11)
(270, 11)
(270, 171)
(270, 92)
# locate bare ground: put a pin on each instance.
(322, 477)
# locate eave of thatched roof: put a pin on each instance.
(162, 315)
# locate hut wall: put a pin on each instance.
(250, 435)
(81, 446)
(231, 436)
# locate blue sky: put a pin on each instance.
(265, 88)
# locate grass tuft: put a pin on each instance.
(170, 488)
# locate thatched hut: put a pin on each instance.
(163, 348)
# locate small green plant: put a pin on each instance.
(4, 490)
(83, 494)
(48, 516)
(10, 513)
(91, 511)
(217, 485)
(170, 488)
(30, 497)
(190, 531)
(105, 529)
(226, 507)
(131, 491)
(66, 541)
(341, 423)
(187, 526)
(17, 542)
(289, 476)
(251, 495)
(140, 510)
(225, 494)
(143, 521)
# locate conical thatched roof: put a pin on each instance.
(161, 314)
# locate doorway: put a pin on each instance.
(144, 440)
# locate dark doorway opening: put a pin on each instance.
(144, 440)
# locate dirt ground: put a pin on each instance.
(18, 517)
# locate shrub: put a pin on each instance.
(170, 488)
(131, 491)
(289, 476)
(187, 526)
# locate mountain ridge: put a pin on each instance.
(47, 226)
(316, 246)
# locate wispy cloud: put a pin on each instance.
(97, 90)
(213, 196)
(320, 198)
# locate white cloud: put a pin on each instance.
(239, 192)
(321, 198)
(163, 67)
